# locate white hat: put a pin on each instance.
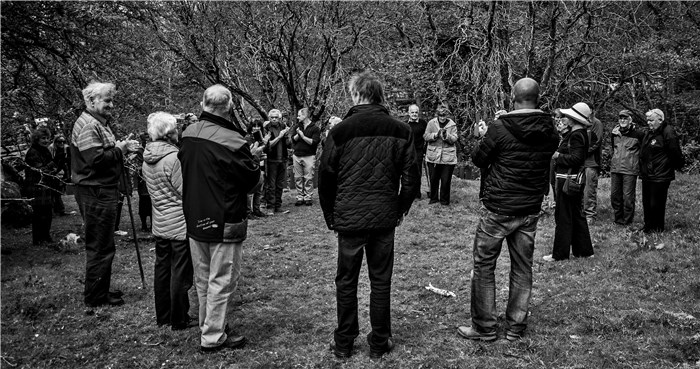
(580, 112)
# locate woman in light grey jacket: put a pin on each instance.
(173, 266)
(441, 155)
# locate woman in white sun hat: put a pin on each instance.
(571, 232)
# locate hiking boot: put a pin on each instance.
(340, 354)
(379, 351)
(473, 334)
(514, 336)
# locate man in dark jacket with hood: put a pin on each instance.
(218, 171)
(515, 153)
(368, 179)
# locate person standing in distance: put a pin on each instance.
(517, 150)
(305, 141)
(368, 179)
(218, 172)
(418, 126)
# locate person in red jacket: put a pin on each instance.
(218, 172)
(368, 179)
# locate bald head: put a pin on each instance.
(526, 93)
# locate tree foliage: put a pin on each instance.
(275, 54)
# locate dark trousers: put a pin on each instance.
(145, 210)
(58, 206)
(41, 222)
(379, 245)
(99, 208)
(654, 195)
(172, 278)
(623, 193)
(571, 231)
(441, 180)
(118, 217)
(276, 175)
(420, 172)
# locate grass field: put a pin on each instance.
(629, 307)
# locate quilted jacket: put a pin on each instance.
(368, 173)
(163, 176)
(516, 155)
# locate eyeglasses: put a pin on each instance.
(623, 117)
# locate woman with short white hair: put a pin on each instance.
(173, 267)
(659, 158)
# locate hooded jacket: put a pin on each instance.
(439, 150)
(516, 153)
(661, 155)
(625, 146)
(368, 175)
(163, 176)
(218, 171)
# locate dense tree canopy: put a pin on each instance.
(613, 55)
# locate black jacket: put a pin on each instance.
(368, 176)
(515, 155)
(661, 155)
(573, 150)
(218, 171)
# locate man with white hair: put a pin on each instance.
(96, 164)
(276, 162)
(418, 126)
(218, 171)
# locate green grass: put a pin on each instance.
(625, 308)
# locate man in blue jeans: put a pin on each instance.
(514, 154)
(368, 179)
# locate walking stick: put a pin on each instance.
(427, 176)
(125, 178)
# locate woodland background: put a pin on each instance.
(634, 55)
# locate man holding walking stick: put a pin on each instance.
(96, 164)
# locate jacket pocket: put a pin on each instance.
(235, 232)
(449, 155)
(433, 153)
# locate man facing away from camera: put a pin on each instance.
(515, 153)
(218, 171)
(368, 178)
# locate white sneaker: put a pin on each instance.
(548, 258)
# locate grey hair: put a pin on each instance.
(95, 89)
(160, 124)
(275, 112)
(217, 98)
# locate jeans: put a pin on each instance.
(172, 278)
(303, 176)
(217, 268)
(654, 195)
(379, 245)
(571, 230)
(99, 208)
(519, 233)
(441, 177)
(276, 174)
(256, 195)
(623, 193)
(590, 194)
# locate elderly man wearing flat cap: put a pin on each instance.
(626, 141)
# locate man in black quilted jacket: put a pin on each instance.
(368, 178)
(515, 155)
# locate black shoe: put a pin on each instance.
(110, 300)
(116, 293)
(308, 203)
(231, 343)
(378, 352)
(340, 354)
(299, 203)
(191, 323)
(433, 202)
(278, 210)
(259, 213)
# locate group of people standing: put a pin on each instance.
(200, 180)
